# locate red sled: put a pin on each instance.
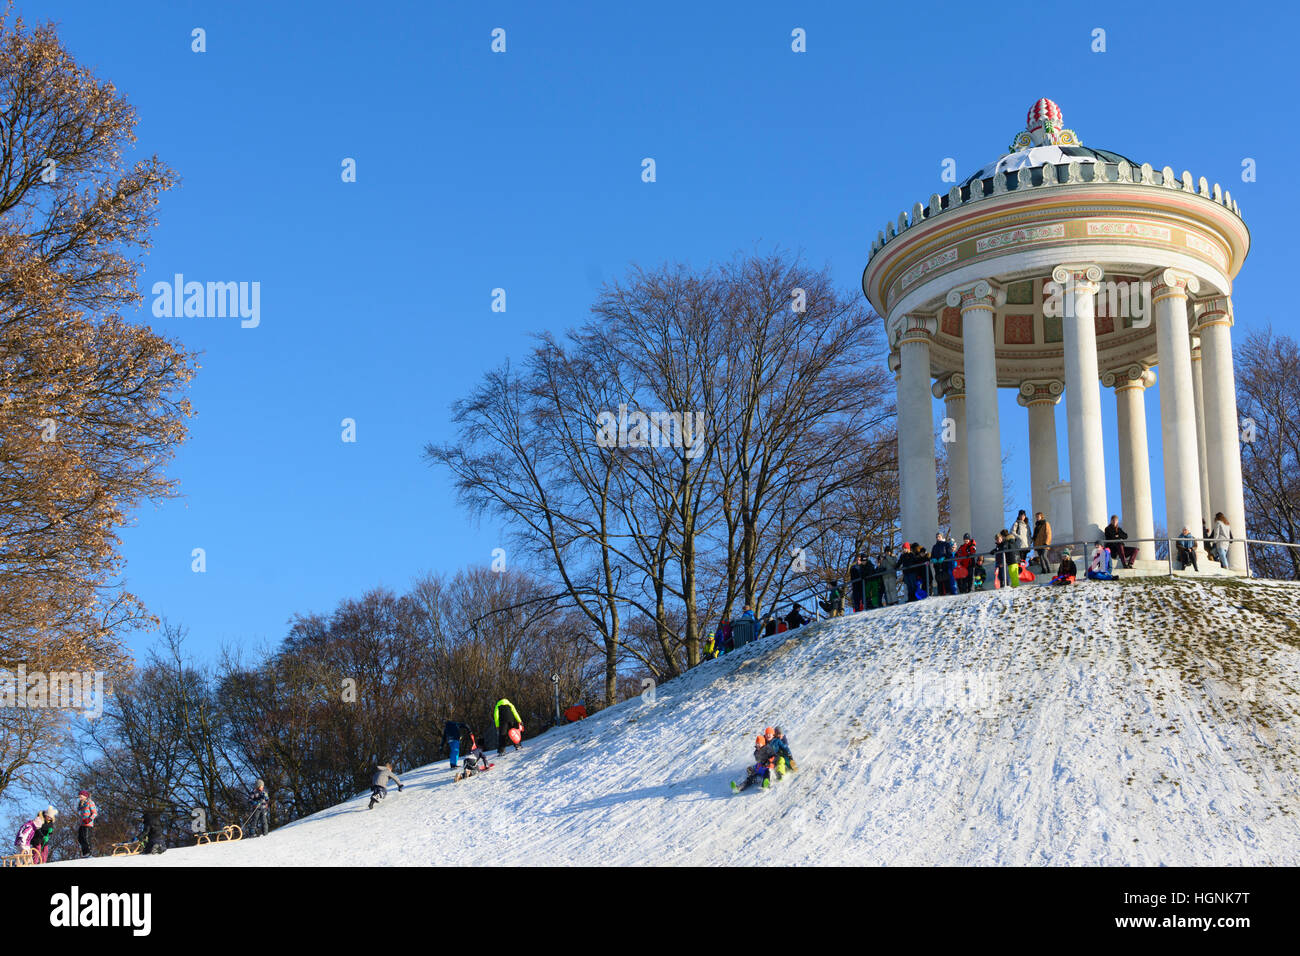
(515, 736)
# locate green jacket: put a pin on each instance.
(496, 712)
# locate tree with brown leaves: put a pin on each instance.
(90, 404)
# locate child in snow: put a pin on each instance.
(476, 762)
(86, 814)
(41, 839)
(260, 801)
(1099, 567)
(379, 783)
(26, 834)
(784, 758)
(1065, 574)
(764, 758)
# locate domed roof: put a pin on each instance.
(1045, 140)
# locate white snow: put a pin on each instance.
(1104, 723)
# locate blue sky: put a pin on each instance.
(522, 170)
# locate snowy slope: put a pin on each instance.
(1142, 723)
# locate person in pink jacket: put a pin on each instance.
(26, 833)
(86, 814)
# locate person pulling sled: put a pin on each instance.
(379, 783)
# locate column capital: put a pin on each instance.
(916, 327)
(1040, 392)
(978, 295)
(1173, 283)
(950, 387)
(1083, 278)
(1215, 310)
(1136, 375)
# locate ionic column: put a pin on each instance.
(1079, 285)
(1130, 386)
(984, 448)
(1177, 400)
(1040, 399)
(952, 389)
(1199, 400)
(919, 491)
(1222, 444)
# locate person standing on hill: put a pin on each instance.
(858, 583)
(941, 556)
(86, 814)
(260, 801)
(1020, 532)
(1042, 542)
(41, 839)
(888, 567)
(506, 718)
(966, 561)
(452, 732)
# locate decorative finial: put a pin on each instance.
(1044, 126)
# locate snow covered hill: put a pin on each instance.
(1144, 722)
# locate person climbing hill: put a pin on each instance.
(506, 719)
(379, 783)
(452, 733)
(477, 761)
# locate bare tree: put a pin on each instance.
(1268, 405)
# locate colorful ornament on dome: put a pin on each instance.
(1044, 126)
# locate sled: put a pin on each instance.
(22, 858)
(224, 835)
(131, 848)
(515, 736)
(465, 774)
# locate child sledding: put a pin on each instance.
(477, 761)
(772, 757)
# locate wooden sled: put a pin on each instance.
(132, 848)
(23, 858)
(225, 835)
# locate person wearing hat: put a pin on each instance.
(784, 758)
(942, 557)
(260, 801)
(41, 839)
(966, 564)
(86, 814)
(761, 768)
(1067, 572)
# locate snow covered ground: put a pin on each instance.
(1145, 722)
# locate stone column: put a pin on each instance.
(1222, 441)
(920, 496)
(1041, 398)
(1199, 400)
(1078, 286)
(1130, 385)
(1177, 400)
(952, 389)
(984, 448)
